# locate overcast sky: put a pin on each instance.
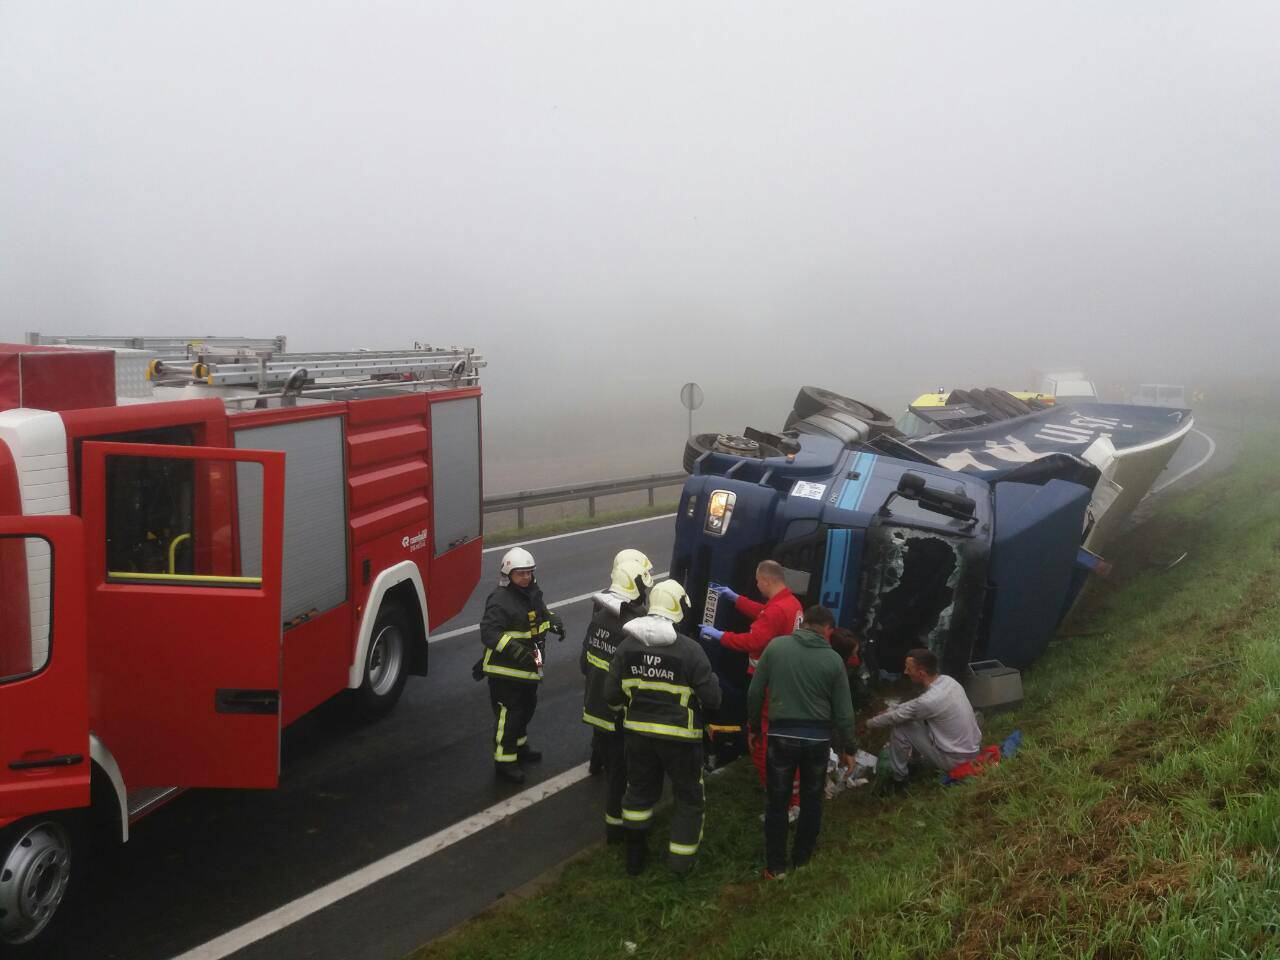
(610, 199)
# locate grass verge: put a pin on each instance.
(1140, 819)
(533, 531)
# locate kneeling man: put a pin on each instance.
(938, 725)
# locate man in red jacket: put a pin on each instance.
(779, 615)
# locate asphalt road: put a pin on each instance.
(213, 862)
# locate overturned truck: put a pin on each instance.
(972, 538)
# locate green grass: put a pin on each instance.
(532, 531)
(1140, 819)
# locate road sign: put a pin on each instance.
(691, 397)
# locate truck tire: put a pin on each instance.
(386, 662)
(41, 859)
(734, 446)
(811, 400)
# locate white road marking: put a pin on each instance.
(550, 606)
(331, 893)
(1213, 448)
(578, 533)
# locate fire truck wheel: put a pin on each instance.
(36, 879)
(386, 662)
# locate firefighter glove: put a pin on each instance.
(710, 633)
(557, 626)
(725, 592)
(477, 670)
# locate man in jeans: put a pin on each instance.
(809, 707)
(938, 726)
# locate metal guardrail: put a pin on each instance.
(519, 502)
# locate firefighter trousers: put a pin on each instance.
(610, 746)
(513, 703)
(648, 760)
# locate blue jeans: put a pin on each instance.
(782, 758)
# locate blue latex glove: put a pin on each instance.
(725, 593)
(710, 633)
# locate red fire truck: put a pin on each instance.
(200, 541)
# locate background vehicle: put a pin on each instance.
(1161, 395)
(198, 545)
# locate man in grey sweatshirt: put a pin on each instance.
(939, 725)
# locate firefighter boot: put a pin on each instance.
(637, 851)
(509, 771)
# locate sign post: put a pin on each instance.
(691, 397)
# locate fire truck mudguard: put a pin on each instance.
(406, 572)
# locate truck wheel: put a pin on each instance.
(386, 663)
(811, 400)
(35, 879)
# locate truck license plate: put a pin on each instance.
(709, 609)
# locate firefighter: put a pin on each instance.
(513, 631)
(598, 759)
(778, 616)
(663, 681)
(625, 600)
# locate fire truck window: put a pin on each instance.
(173, 521)
(26, 578)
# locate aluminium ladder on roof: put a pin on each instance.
(261, 363)
(165, 348)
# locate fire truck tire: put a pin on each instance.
(41, 862)
(386, 665)
(811, 400)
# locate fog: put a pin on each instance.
(611, 199)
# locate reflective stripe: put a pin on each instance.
(508, 672)
(688, 733)
(489, 667)
(637, 816)
(498, 753)
(612, 821)
(597, 662)
(522, 741)
(683, 849)
(502, 642)
(678, 689)
(504, 757)
(609, 725)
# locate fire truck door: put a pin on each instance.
(44, 737)
(183, 560)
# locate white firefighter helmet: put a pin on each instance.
(632, 554)
(517, 558)
(668, 600)
(629, 579)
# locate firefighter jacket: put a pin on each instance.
(604, 633)
(513, 630)
(776, 617)
(663, 680)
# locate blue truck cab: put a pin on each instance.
(905, 552)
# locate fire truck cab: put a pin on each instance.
(201, 541)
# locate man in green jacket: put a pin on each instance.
(809, 709)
